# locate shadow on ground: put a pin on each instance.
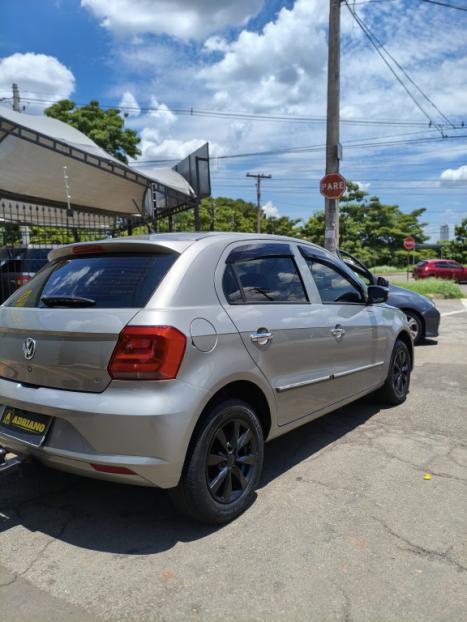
(427, 342)
(130, 520)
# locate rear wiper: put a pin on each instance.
(67, 301)
(263, 292)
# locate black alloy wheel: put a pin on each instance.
(231, 460)
(401, 373)
(223, 465)
(396, 387)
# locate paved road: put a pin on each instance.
(344, 527)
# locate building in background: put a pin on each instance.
(444, 233)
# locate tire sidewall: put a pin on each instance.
(419, 324)
(194, 478)
(399, 345)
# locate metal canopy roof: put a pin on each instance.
(35, 149)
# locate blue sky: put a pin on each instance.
(260, 58)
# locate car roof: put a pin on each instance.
(180, 241)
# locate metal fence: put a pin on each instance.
(28, 232)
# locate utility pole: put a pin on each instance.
(258, 178)
(16, 98)
(333, 147)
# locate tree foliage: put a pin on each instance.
(370, 230)
(104, 127)
(457, 248)
(225, 214)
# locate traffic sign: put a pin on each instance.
(332, 186)
(409, 243)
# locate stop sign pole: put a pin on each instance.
(331, 206)
(409, 245)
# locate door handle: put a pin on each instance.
(261, 337)
(338, 331)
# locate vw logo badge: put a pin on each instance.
(29, 348)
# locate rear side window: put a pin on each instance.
(111, 280)
(263, 280)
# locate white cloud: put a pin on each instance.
(129, 104)
(363, 186)
(38, 76)
(153, 148)
(215, 44)
(184, 19)
(163, 116)
(270, 210)
(275, 68)
(455, 174)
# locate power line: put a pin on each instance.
(300, 150)
(247, 116)
(410, 79)
(446, 4)
(375, 43)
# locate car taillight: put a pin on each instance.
(147, 353)
(22, 279)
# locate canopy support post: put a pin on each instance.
(197, 217)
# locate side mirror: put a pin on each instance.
(382, 281)
(377, 294)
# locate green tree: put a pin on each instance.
(104, 127)
(225, 214)
(457, 248)
(369, 229)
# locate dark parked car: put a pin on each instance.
(422, 315)
(18, 266)
(441, 269)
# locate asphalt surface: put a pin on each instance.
(344, 526)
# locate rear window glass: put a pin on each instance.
(111, 280)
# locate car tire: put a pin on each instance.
(395, 389)
(415, 326)
(223, 466)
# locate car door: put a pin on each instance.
(455, 271)
(360, 332)
(264, 293)
(442, 270)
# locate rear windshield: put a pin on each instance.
(110, 281)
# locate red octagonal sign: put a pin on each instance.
(409, 243)
(332, 186)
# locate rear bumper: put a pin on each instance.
(432, 319)
(144, 428)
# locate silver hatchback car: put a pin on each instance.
(168, 360)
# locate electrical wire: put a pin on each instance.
(446, 4)
(410, 79)
(247, 116)
(375, 43)
(300, 150)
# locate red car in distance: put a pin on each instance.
(441, 269)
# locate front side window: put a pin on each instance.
(263, 280)
(333, 286)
